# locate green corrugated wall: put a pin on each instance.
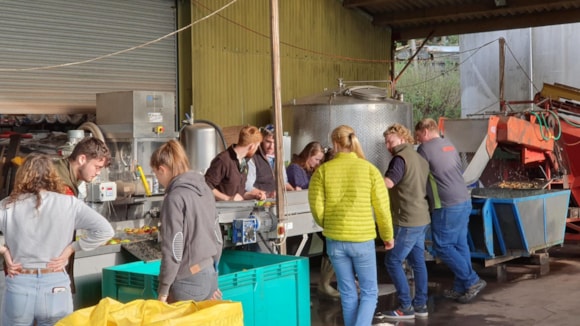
(226, 65)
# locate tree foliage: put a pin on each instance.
(433, 87)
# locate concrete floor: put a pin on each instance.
(526, 298)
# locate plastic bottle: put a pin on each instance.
(287, 143)
(155, 185)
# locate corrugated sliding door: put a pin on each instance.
(39, 39)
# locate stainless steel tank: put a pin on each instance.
(200, 143)
(367, 109)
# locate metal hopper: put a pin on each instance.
(512, 223)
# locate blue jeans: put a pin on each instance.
(409, 245)
(45, 298)
(359, 259)
(449, 227)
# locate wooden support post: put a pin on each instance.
(277, 104)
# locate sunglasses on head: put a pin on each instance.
(269, 128)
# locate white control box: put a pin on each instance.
(101, 192)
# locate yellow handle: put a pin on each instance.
(144, 180)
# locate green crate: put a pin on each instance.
(273, 289)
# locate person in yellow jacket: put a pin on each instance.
(342, 195)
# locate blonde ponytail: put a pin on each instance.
(346, 140)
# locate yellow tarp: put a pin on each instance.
(109, 312)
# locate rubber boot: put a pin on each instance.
(326, 274)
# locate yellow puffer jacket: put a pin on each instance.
(343, 193)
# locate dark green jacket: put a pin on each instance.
(409, 204)
(62, 166)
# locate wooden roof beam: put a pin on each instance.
(447, 13)
(487, 24)
(362, 3)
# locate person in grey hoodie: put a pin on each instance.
(191, 240)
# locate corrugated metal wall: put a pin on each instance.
(480, 70)
(545, 54)
(231, 55)
(555, 53)
(55, 32)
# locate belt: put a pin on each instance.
(38, 271)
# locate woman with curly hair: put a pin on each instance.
(38, 220)
(406, 178)
(304, 164)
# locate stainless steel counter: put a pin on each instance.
(88, 270)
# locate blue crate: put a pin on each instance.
(273, 289)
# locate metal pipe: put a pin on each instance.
(393, 87)
(501, 74)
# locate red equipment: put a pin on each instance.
(563, 104)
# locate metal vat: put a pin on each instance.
(365, 108)
(200, 141)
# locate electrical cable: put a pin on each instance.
(313, 51)
(212, 13)
(568, 121)
(125, 50)
(448, 70)
(557, 118)
(217, 128)
(265, 243)
(522, 68)
(541, 122)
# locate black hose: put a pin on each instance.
(217, 128)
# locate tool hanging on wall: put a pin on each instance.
(8, 166)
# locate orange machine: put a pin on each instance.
(540, 145)
(513, 140)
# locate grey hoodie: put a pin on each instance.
(190, 232)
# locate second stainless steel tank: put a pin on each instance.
(200, 141)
